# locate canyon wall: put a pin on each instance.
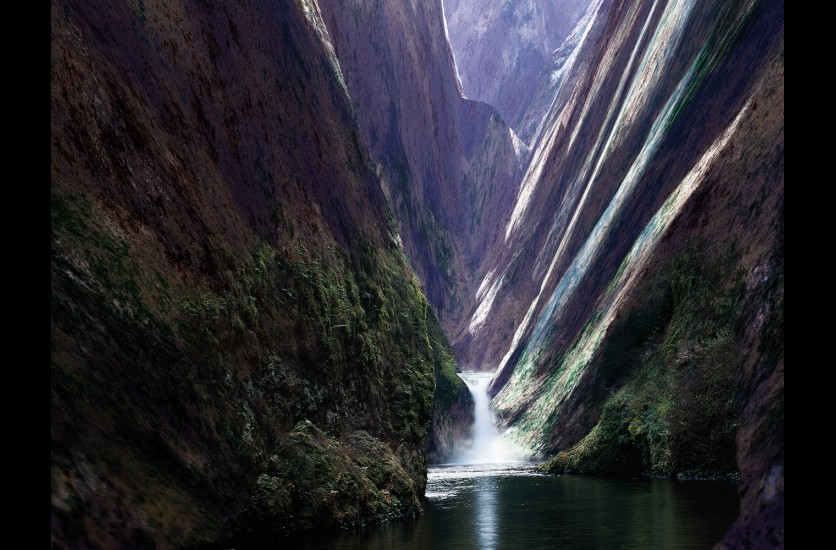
(239, 347)
(449, 165)
(634, 308)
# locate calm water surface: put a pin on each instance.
(509, 506)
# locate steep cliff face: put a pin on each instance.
(636, 298)
(449, 165)
(239, 347)
(531, 118)
(502, 48)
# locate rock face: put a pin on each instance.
(239, 347)
(503, 47)
(634, 304)
(449, 165)
(453, 406)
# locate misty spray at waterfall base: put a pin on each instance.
(487, 445)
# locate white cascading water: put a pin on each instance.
(487, 447)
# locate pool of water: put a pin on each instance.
(493, 506)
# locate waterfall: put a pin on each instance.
(486, 446)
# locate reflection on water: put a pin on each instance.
(485, 512)
(509, 506)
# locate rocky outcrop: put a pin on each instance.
(239, 347)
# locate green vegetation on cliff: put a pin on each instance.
(452, 416)
(313, 479)
(200, 379)
(672, 361)
(239, 347)
(448, 384)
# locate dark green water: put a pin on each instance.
(510, 507)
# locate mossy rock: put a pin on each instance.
(317, 481)
(673, 408)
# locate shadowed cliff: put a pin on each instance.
(449, 165)
(239, 347)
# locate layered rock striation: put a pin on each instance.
(634, 306)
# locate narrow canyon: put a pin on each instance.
(304, 250)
